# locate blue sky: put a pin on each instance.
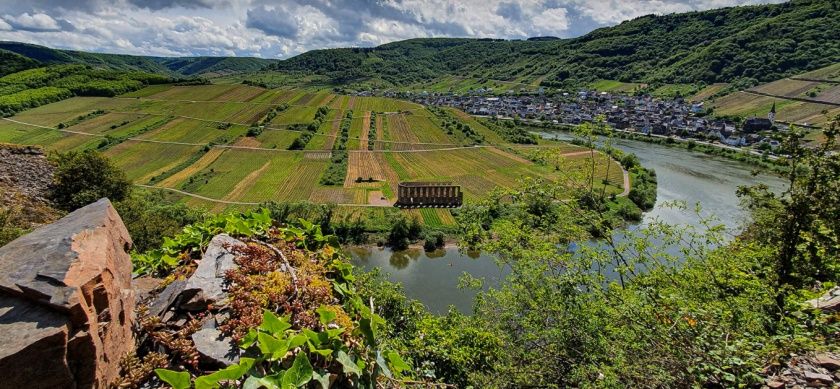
(280, 29)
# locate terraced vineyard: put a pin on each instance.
(811, 98)
(215, 146)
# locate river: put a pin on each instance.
(683, 175)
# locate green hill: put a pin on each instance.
(751, 43)
(186, 66)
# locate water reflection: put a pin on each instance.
(682, 175)
(431, 277)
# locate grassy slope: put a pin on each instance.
(245, 174)
(187, 66)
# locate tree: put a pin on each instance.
(84, 177)
(399, 233)
(803, 223)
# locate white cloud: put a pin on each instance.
(552, 21)
(271, 28)
(34, 22)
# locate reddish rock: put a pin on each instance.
(774, 384)
(815, 378)
(827, 361)
(66, 302)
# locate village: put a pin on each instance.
(641, 114)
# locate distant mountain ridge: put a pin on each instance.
(745, 45)
(169, 66)
(753, 43)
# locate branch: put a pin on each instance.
(282, 256)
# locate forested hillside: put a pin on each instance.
(35, 87)
(186, 66)
(753, 44)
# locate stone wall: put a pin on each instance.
(66, 303)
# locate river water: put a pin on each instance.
(682, 175)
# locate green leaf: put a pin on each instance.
(274, 325)
(396, 362)
(349, 366)
(335, 332)
(260, 382)
(380, 362)
(313, 337)
(175, 379)
(322, 352)
(326, 316)
(322, 378)
(249, 339)
(272, 347)
(300, 373)
(297, 341)
(368, 328)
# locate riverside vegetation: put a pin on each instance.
(669, 307)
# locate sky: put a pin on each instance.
(281, 29)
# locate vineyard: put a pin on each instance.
(221, 146)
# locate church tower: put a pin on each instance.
(772, 115)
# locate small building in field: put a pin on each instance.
(429, 195)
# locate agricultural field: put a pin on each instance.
(199, 143)
(670, 91)
(458, 84)
(707, 92)
(615, 86)
(829, 73)
(381, 104)
(811, 98)
(787, 88)
(796, 112)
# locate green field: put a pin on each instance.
(195, 140)
(803, 99)
(615, 86)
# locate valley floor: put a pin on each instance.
(195, 142)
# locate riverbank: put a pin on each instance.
(754, 158)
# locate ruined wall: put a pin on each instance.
(413, 194)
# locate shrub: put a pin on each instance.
(84, 177)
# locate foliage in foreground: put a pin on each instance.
(294, 310)
(665, 306)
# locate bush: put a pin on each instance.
(84, 177)
(149, 218)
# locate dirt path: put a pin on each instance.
(801, 99)
(376, 198)
(336, 125)
(246, 182)
(363, 137)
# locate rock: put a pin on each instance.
(67, 303)
(813, 377)
(206, 285)
(774, 384)
(827, 361)
(215, 349)
(144, 287)
(166, 298)
(830, 301)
